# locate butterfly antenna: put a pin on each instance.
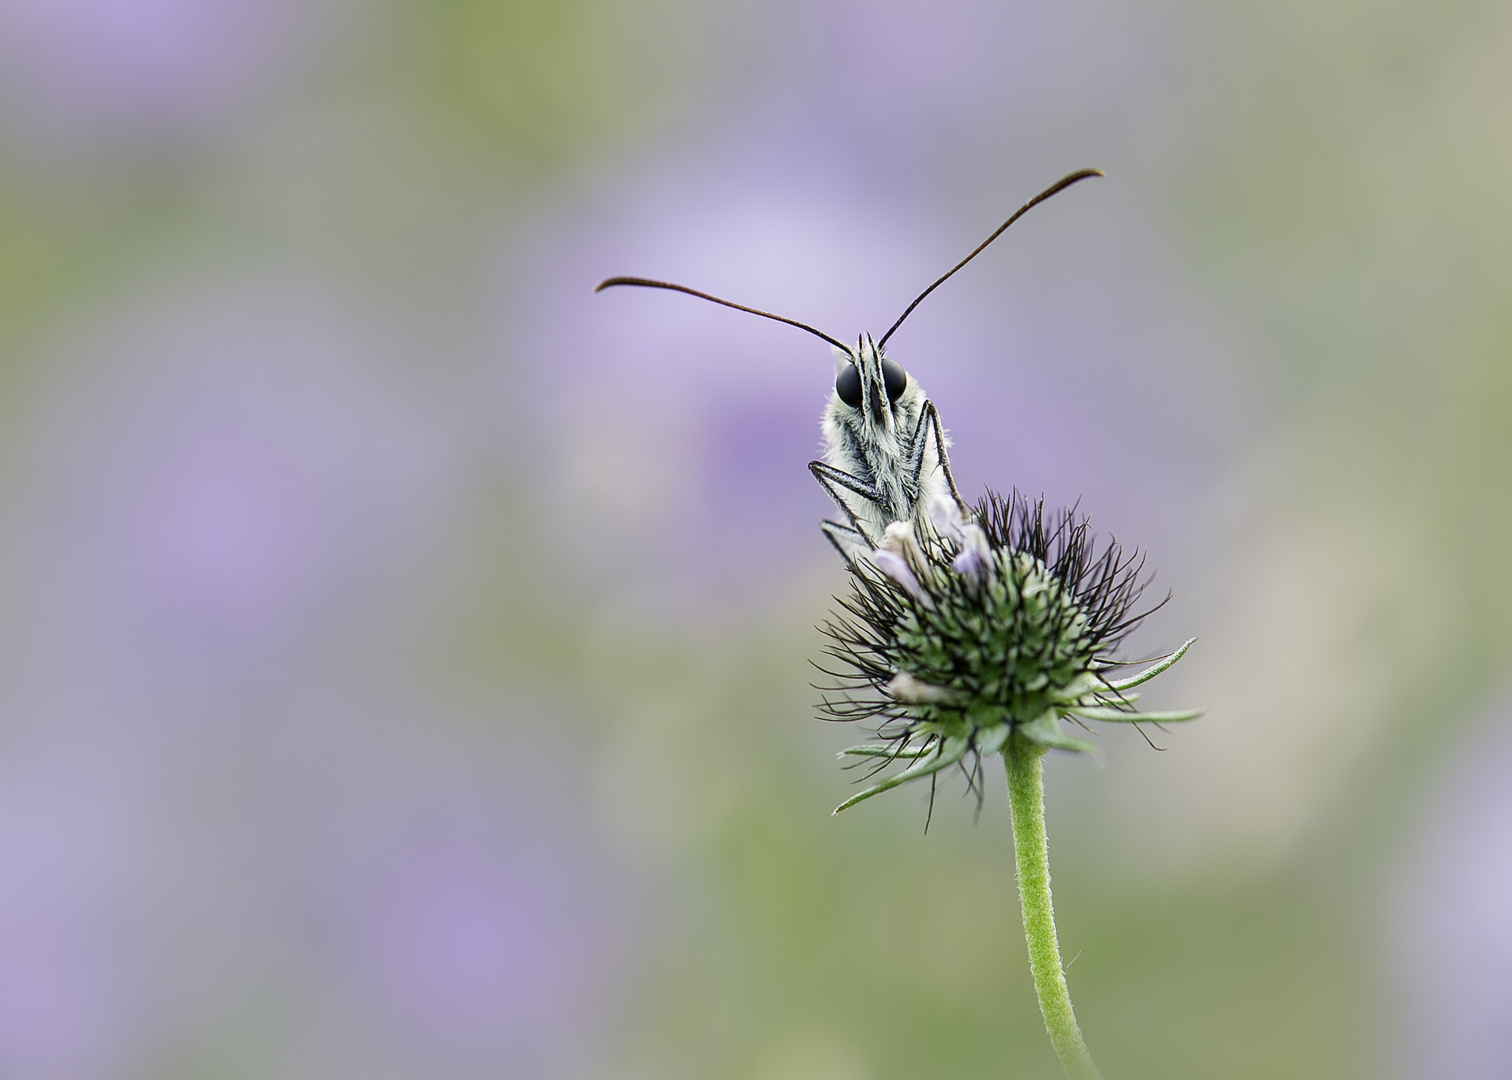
(1059, 186)
(649, 284)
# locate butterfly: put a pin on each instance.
(886, 453)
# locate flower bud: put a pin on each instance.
(996, 626)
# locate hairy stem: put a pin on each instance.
(1026, 796)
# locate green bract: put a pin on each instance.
(1006, 624)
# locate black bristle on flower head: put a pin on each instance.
(1105, 584)
(984, 629)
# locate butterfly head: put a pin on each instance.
(870, 388)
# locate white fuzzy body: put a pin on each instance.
(890, 455)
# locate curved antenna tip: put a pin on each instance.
(651, 283)
(1060, 185)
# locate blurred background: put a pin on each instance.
(404, 652)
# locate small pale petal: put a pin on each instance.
(970, 564)
(905, 687)
(899, 537)
(974, 539)
(946, 517)
(975, 558)
(896, 567)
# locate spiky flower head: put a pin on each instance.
(1000, 625)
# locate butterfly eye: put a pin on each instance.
(848, 386)
(894, 378)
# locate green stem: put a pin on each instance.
(1026, 795)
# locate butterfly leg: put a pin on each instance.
(929, 423)
(843, 487)
(913, 475)
(847, 541)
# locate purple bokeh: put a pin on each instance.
(1450, 930)
(485, 928)
(89, 75)
(214, 482)
(72, 919)
(221, 788)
